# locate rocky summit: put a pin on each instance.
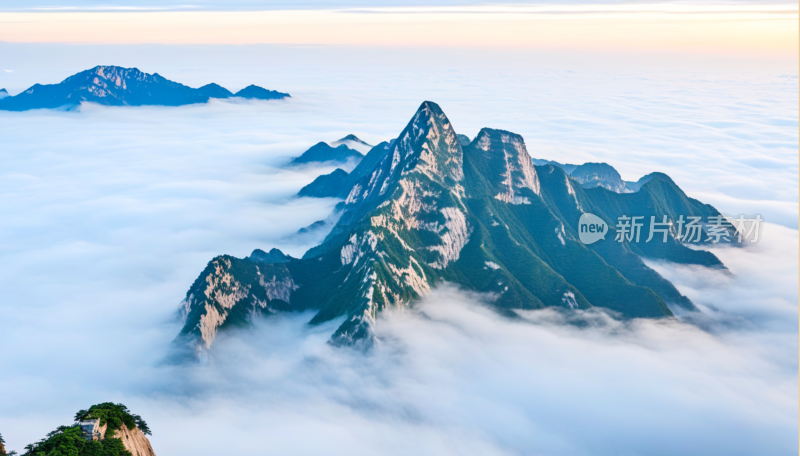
(435, 207)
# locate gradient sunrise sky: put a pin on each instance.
(759, 29)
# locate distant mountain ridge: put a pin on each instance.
(591, 175)
(352, 141)
(117, 86)
(427, 208)
(322, 152)
(339, 183)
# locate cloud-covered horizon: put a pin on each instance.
(728, 138)
(111, 213)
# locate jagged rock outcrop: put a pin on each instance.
(232, 291)
(515, 168)
(427, 208)
(592, 175)
(134, 439)
(400, 223)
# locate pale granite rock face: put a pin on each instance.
(508, 153)
(223, 292)
(134, 439)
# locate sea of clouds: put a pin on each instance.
(109, 214)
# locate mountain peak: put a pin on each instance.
(274, 256)
(655, 176)
(214, 90)
(354, 142)
(431, 106)
(116, 74)
(440, 156)
(354, 138)
(422, 210)
(505, 162)
(427, 147)
(591, 175)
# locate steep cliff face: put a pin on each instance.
(403, 223)
(232, 292)
(508, 166)
(429, 207)
(591, 175)
(135, 441)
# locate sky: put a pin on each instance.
(109, 214)
(742, 29)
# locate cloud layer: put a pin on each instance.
(110, 214)
(453, 377)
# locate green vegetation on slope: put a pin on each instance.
(69, 441)
(113, 415)
(431, 207)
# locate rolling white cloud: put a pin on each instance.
(109, 214)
